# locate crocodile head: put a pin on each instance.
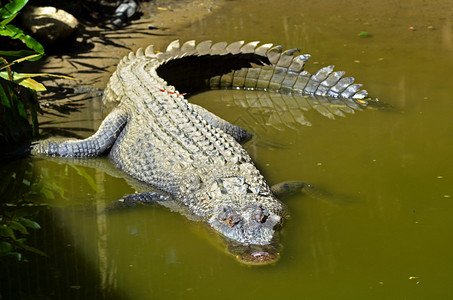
(250, 228)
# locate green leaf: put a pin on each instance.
(7, 232)
(16, 54)
(29, 223)
(16, 33)
(4, 99)
(29, 248)
(18, 76)
(7, 20)
(21, 109)
(12, 8)
(5, 247)
(25, 81)
(30, 57)
(33, 84)
(14, 225)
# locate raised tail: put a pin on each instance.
(192, 67)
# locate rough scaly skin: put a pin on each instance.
(192, 156)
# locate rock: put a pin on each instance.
(124, 12)
(53, 27)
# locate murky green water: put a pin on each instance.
(387, 234)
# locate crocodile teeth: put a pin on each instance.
(132, 56)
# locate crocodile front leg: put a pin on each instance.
(95, 145)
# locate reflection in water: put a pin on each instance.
(262, 112)
(107, 268)
(286, 111)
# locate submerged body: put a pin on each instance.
(190, 156)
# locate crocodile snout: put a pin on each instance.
(258, 258)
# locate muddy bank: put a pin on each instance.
(96, 52)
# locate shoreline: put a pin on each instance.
(96, 52)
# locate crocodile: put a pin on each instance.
(190, 158)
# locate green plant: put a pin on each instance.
(19, 106)
(21, 185)
(18, 100)
(8, 13)
(13, 229)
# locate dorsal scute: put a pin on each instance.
(277, 69)
(162, 56)
(333, 78)
(188, 46)
(274, 54)
(149, 51)
(219, 48)
(286, 58)
(140, 53)
(173, 47)
(360, 95)
(235, 47)
(298, 63)
(351, 90)
(249, 47)
(204, 47)
(262, 50)
(341, 85)
(323, 73)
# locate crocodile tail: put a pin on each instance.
(191, 67)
